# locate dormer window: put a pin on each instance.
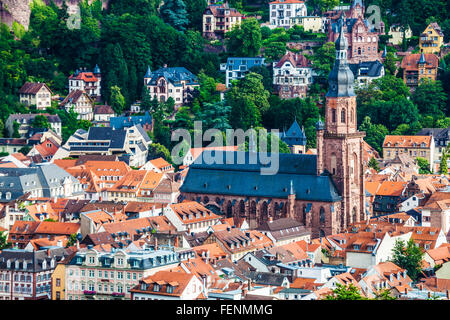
(156, 287)
(169, 289)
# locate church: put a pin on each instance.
(325, 192)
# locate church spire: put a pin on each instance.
(341, 78)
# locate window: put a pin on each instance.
(343, 115)
(58, 282)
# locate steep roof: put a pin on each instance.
(391, 188)
(73, 97)
(173, 75)
(296, 60)
(33, 88)
(242, 177)
(406, 141)
(410, 62)
(84, 76)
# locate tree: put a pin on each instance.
(174, 13)
(430, 98)
(157, 150)
(117, 101)
(215, 115)
(274, 51)
(4, 241)
(25, 150)
(373, 163)
(244, 40)
(443, 169)
(348, 292)
(72, 240)
(424, 165)
(40, 121)
(248, 100)
(384, 294)
(195, 9)
(323, 59)
(408, 256)
(390, 63)
(375, 133)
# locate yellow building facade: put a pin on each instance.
(431, 39)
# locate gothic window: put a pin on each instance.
(354, 215)
(333, 115)
(352, 115)
(322, 215)
(206, 200)
(253, 209)
(359, 50)
(242, 208)
(343, 115)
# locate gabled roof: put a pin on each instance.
(33, 88)
(178, 280)
(103, 109)
(174, 75)
(242, 176)
(391, 188)
(296, 60)
(84, 76)
(73, 97)
(410, 62)
(192, 212)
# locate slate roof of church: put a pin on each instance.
(245, 179)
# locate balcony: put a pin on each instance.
(118, 295)
(89, 292)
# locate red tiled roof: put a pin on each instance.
(410, 62)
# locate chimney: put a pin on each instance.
(156, 243)
(270, 219)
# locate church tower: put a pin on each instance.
(339, 143)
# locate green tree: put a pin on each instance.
(430, 98)
(40, 121)
(373, 163)
(248, 100)
(215, 115)
(195, 9)
(384, 294)
(244, 40)
(25, 150)
(408, 256)
(4, 241)
(72, 240)
(390, 63)
(323, 59)
(375, 133)
(174, 13)
(157, 150)
(443, 169)
(424, 165)
(345, 292)
(117, 101)
(274, 51)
